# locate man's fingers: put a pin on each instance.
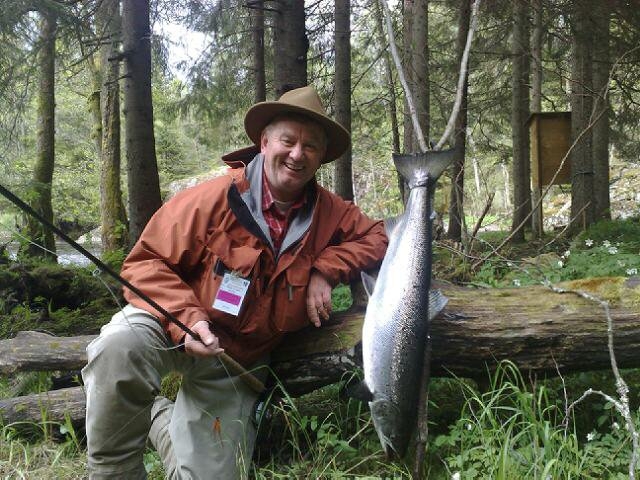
(208, 344)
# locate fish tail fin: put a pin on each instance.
(422, 168)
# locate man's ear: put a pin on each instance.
(263, 141)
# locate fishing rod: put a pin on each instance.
(235, 367)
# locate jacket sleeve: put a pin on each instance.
(358, 243)
(169, 250)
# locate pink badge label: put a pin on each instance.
(231, 294)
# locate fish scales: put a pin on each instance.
(399, 309)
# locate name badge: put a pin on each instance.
(231, 293)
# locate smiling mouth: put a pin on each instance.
(295, 168)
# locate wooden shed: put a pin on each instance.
(550, 136)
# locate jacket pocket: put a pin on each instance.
(290, 313)
(236, 260)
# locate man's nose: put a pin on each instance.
(296, 151)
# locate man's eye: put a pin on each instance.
(286, 141)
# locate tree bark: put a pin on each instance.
(142, 167)
(582, 198)
(53, 406)
(343, 175)
(600, 152)
(257, 32)
(290, 45)
(419, 65)
(456, 205)
(519, 117)
(113, 215)
(536, 103)
(42, 241)
(407, 37)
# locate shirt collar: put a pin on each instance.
(268, 201)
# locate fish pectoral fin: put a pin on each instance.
(358, 390)
(437, 302)
(391, 223)
(369, 282)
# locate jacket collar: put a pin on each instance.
(252, 199)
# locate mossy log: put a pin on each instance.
(55, 406)
(539, 329)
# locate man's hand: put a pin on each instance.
(318, 298)
(208, 347)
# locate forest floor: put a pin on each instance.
(512, 428)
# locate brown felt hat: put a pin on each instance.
(302, 101)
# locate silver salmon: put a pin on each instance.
(401, 306)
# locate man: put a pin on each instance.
(240, 260)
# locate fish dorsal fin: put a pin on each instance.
(368, 282)
(391, 223)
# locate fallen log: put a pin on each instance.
(56, 406)
(538, 329)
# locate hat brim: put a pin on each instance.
(259, 116)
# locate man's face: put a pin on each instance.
(293, 150)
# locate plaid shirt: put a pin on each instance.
(278, 222)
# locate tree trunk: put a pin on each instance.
(343, 177)
(601, 66)
(407, 36)
(582, 205)
(390, 83)
(420, 68)
(519, 116)
(536, 103)
(42, 240)
(290, 46)
(142, 167)
(113, 216)
(456, 205)
(93, 102)
(257, 32)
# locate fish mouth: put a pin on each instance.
(385, 416)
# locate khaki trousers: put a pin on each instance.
(207, 434)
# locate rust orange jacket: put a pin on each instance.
(218, 227)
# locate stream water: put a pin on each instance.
(67, 255)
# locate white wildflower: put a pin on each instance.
(606, 244)
(566, 254)
(613, 250)
(616, 426)
(588, 242)
(621, 264)
(591, 436)
(509, 264)
(455, 476)
(469, 427)
(560, 263)
(516, 282)
(632, 271)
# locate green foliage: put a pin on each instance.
(515, 431)
(341, 298)
(325, 436)
(608, 248)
